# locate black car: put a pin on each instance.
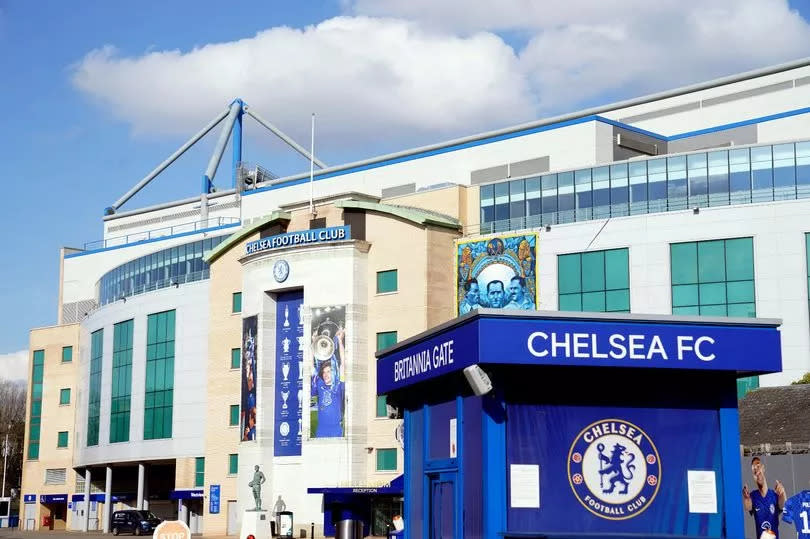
(136, 522)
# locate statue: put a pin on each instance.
(256, 485)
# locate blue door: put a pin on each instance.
(442, 520)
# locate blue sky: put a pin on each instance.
(82, 123)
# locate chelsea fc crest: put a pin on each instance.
(614, 469)
(281, 269)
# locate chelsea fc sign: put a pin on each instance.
(614, 469)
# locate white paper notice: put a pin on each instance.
(702, 491)
(453, 439)
(524, 481)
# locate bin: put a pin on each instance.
(14, 521)
(285, 524)
(47, 522)
(349, 529)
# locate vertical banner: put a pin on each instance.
(213, 498)
(289, 386)
(328, 392)
(497, 272)
(249, 378)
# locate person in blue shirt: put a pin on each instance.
(797, 512)
(764, 504)
(330, 393)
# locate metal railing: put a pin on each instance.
(193, 226)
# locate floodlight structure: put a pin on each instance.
(232, 127)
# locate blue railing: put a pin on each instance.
(183, 228)
(670, 183)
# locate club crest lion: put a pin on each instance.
(614, 469)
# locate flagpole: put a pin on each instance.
(312, 166)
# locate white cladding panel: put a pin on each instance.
(191, 303)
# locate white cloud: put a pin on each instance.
(365, 78)
(398, 69)
(14, 365)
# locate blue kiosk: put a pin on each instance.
(580, 425)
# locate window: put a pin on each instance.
(121, 382)
(596, 281)
(386, 460)
(94, 393)
(35, 417)
(158, 403)
(62, 439)
(199, 471)
(234, 419)
(382, 408)
(233, 464)
(64, 395)
(715, 278)
(67, 354)
(386, 339)
(236, 302)
(236, 357)
(386, 281)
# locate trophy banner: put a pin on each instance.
(248, 412)
(289, 382)
(328, 395)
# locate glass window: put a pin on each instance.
(382, 408)
(64, 395)
(565, 195)
(619, 192)
(487, 203)
(159, 398)
(784, 171)
(549, 194)
(597, 281)
(517, 199)
(533, 200)
(803, 169)
(501, 201)
(35, 416)
(234, 415)
(713, 278)
(121, 382)
(236, 357)
(761, 174)
(62, 439)
(718, 178)
(697, 172)
(233, 464)
(387, 460)
(676, 183)
(236, 302)
(387, 281)
(199, 471)
(386, 339)
(67, 354)
(94, 393)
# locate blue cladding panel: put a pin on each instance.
(440, 415)
(416, 464)
(684, 439)
(471, 473)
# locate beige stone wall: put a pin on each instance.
(55, 417)
(441, 275)
(224, 384)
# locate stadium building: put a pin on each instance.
(203, 337)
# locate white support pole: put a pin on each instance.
(312, 167)
(107, 501)
(87, 481)
(141, 473)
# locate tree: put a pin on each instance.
(12, 421)
(803, 380)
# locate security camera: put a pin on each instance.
(478, 380)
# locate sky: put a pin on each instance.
(98, 93)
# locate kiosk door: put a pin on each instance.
(442, 505)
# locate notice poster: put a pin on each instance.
(328, 393)
(289, 388)
(249, 379)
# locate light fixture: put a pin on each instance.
(548, 228)
(124, 299)
(696, 210)
(369, 450)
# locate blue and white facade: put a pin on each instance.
(722, 161)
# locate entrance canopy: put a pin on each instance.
(738, 346)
